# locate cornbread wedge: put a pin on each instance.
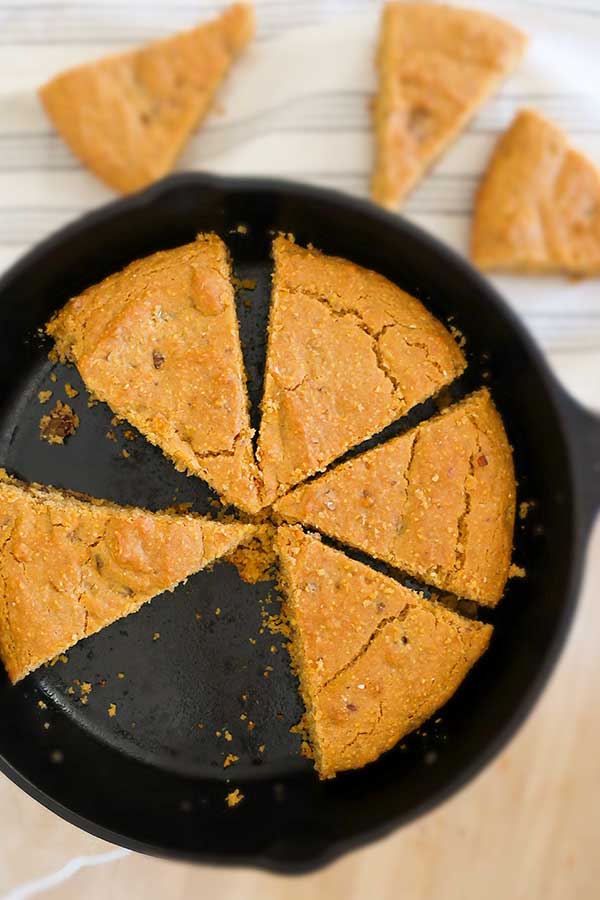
(375, 660)
(127, 117)
(348, 353)
(538, 206)
(437, 65)
(71, 565)
(437, 502)
(159, 342)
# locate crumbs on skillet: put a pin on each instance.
(59, 424)
(234, 797)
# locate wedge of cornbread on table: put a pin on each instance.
(538, 206)
(375, 660)
(127, 117)
(159, 342)
(437, 502)
(437, 64)
(71, 565)
(348, 352)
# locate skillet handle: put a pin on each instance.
(584, 433)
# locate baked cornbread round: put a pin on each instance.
(348, 353)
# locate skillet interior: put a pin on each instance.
(150, 777)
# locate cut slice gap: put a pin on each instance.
(469, 609)
(348, 353)
(538, 205)
(374, 659)
(159, 342)
(456, 391)
(437, 65)
(128, 116)
(71, 565)
(437, 502)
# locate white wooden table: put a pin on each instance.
(297, 106)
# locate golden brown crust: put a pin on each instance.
(127, 117)
(437, 65)
(538, 205)
(348, 353)
(70, 566)
(159, 343)
(375, 660)
(437, 502)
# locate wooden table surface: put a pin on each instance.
(529, 826)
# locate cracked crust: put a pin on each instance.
(127, 117)
(159, 343)
(70, 566)
(437, 65)
(375, 660)
(437, 502)
(348, 353)
(538, 206)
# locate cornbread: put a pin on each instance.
(437, 502)
(71, 565)
(159, 343)
(538, 206)
(375, 660)
(348, 352)
(127, 117)
(436, 66)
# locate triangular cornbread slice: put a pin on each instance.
(71, 565)
(538, 206)
(159, 342)
(348, 353)
(437, 65)
(375, 660)
(127, 117)
(437, 502)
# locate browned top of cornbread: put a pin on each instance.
(128, 116)
(374, 659)
(159, 343)
(69, 566)
(538, 206)
(437, 502)
(348, 353)
(436, 65)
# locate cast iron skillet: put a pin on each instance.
(150, 778)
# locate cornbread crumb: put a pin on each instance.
(44, 396)
(112, 710)
(59, 425)
(234, 797)
(229, 760)
(120, 675)
(70, 391)
(42, 705)
(156, 636)
(255, 560)
(53, 377)
(227, 735)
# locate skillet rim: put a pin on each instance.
(565, 408)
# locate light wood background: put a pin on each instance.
(529, 827)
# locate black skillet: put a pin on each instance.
(151, 777)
